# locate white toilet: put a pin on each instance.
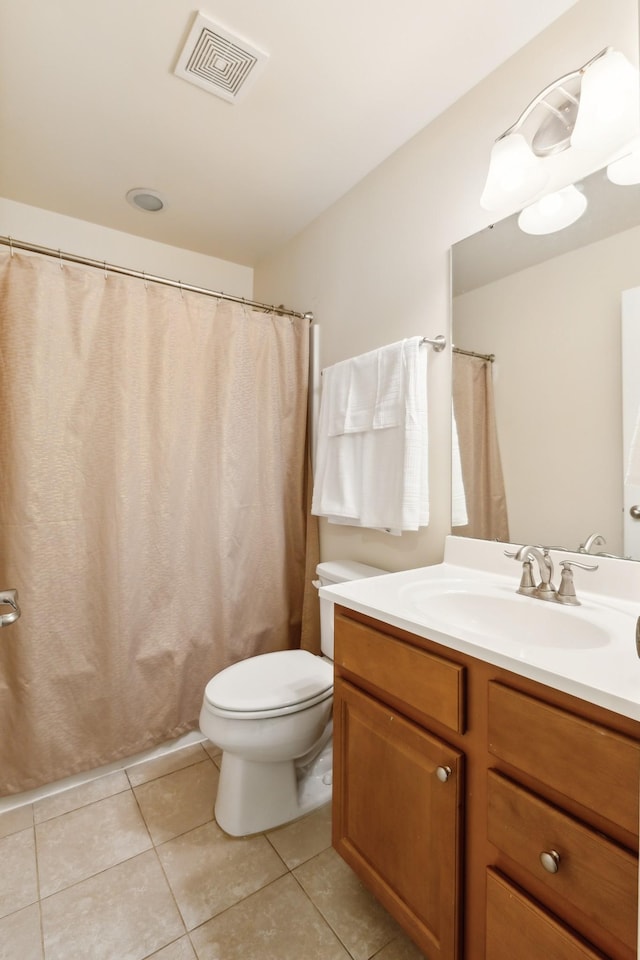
(271, 717)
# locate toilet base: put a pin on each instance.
(254, 797)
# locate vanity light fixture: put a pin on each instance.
(553, 212)
(626, 170)
(577, 124)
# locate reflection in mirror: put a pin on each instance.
(549, 308)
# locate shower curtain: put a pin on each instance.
(474, 410)
(152, 507)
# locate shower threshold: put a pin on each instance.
(78, 779)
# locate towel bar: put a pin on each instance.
(438, 343)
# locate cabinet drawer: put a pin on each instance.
(406, 676)
(591, 764)
(595, 875)
(517, 927)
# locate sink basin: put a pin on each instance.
(502, 614)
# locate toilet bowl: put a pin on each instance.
(271, 717)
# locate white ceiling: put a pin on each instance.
(90, 106)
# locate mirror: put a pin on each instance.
(549, 309)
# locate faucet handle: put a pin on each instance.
(566, 591)
(527, 581)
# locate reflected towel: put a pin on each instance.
(633, 463)
(459, 516)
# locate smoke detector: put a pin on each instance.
(219, 62)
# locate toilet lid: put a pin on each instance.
(271, 682)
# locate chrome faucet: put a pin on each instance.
(594, 540)
(545, 590)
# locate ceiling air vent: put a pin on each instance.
(218, 61)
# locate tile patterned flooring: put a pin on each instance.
(133, 865)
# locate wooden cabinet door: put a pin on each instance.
(397, 816)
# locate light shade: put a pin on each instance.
(515, 174)
(553, 212)
(608, 116)
(626, 170)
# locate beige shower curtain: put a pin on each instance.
(473, 406)
(152, 507)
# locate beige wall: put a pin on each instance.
(375, 267)
(48, 229)
(556, 332)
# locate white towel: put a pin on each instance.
(459, 516)
(374, 473)
(632, 476)
(367, 392)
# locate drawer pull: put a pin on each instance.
(443, 773)
(550, 860)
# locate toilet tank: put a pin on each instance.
(337, 571)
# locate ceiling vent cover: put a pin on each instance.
(218, 61)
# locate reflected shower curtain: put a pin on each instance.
(474, 410)
(152, 507)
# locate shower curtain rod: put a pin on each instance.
(471, 353)
(141, 275)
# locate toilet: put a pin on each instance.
(271, 717)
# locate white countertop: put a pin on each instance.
(606, 673)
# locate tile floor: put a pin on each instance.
(133, 866)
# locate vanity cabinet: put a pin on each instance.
(397, 816)
(492, 816)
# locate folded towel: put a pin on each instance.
(372, 450)
(367, 392)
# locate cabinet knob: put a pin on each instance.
(550, 860)
(443, 773)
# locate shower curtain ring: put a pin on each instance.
(60, 258)
(11, 247)
(106, 274)
(144, 280)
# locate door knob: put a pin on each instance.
(634, 511)
(443, 773)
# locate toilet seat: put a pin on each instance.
(270, 685)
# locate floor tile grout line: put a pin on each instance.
(149, 956)
(142, 817)
(173, 897)
(321, 914)
(166, 772)
(231, 906)
(81, 806)
(38, 891)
